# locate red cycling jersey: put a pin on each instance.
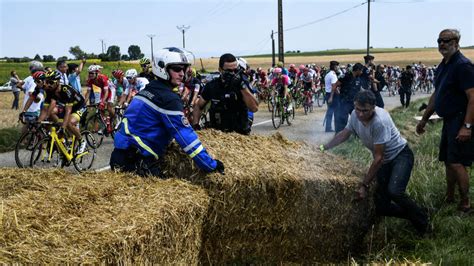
(100, 82)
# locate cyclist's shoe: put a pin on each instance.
(82, 146)
(100, 132)
(290, 107)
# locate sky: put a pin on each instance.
(241, 27)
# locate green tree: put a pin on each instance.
(134, 52)
(125, 57)
(113, 53)
(62, 58)
(104, 57)
(37, 57)
(77, 52)
(48, 58)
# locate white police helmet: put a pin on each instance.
(169, 56)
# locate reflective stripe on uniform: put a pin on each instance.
(190, 146)
(196, 152)
(155, 107)
(138, 140)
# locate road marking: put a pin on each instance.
(103, 169)
(261, 123)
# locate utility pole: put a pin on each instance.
(102, 44)
(281, 53)
(151, 42)
(183, 29)
(368, 26)
(273, 50)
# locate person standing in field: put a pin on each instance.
(15, 83)
(405, 83)
(73, 73)
(392, 160)
(61, 66)
(453, 100)
(330, 81)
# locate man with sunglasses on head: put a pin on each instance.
(146, 69)
(453, 100)
(134, 85)
(392, 160)
(154, 117)
(230, 97)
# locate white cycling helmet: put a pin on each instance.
(131, 73)
(242, 63)
(35, 66)
(169, 56)
(94, 68)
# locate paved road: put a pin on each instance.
(308, 128)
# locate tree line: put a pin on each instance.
(113, 54)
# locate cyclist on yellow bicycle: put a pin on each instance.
(73, 101)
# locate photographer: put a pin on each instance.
(230, 99)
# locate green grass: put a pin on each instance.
(22, 68)
(452, 241)
(8, 138)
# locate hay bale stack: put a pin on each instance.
(53, 217)
(279, 201)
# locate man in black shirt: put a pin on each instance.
(230, 98)
(349, 85)
(453, 100)
(405, 83)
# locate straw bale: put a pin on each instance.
(53, 217)
(278, 201)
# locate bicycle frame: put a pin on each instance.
(55, 140)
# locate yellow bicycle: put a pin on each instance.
(57, 151)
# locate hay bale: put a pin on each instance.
(279, 201)
(52, 217)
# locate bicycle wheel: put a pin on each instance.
(97, 128)
(84, 161)
(319, 99)
(290, 115)
(41, 157)
(24, 147)
(276, 116)
(270, 103)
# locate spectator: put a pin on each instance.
(453, 100)
(61, 66)
(406, 81)
(380, 84)
(73, 75)
(392, 160)
(330, 81)
(15, 83)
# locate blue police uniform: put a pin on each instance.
(154, 117)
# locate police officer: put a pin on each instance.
(154, 118)
(230, 97)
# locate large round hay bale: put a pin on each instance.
(55, 218)
(278, 201)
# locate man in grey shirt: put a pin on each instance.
(392, 164)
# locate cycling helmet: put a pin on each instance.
(131, 73)
(277, 70)
(169, 56)
(144, 61)
(259, 69)
(301, 67)
(242, 63)
(35, 66)
(280, 64)
(39, 75)
(52, 75)
(94, 68)
(117, 73)
(292, 65)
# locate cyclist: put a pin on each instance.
(280, 84)
(99, 92)
(154, 118)
(135, 84)
(73, 101)
(146, 69)
(120, 82)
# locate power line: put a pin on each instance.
(400, 2)
(324, 18)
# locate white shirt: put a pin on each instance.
(139, 85)
(64, 80)
(28, 88)
(329, 79)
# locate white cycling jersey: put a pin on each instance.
(139, 85)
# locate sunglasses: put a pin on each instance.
(177, 68)
(445, 40)
(50, 82)
(144, 65)
(231, 70)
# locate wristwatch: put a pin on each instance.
(468, 125)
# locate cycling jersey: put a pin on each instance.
(96, 87)
(120, 86)
(280, 83)
(153, 119)
(139, 85)
(67, 96)
(148, 75)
